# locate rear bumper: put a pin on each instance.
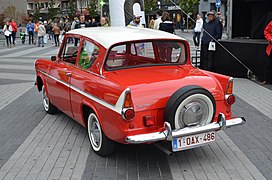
(169, 134)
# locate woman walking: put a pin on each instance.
(8, 32)
(56, 31)
(41, 34)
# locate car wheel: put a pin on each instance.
(47, 105)
(100, 143)
(190, 106)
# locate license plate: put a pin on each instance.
(192, 141)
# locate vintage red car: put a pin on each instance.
(135, 85)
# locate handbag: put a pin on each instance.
(212, 46)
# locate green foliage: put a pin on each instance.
(52, 12)
(71, 9)
(150, 5)
(189, 6)
(92, 8)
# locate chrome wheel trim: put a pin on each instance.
(45, 99)
(94, 132)
(196, 98)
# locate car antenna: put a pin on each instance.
(250, 74)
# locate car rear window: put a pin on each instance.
(145, 53)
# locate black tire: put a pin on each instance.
(182, 98)
(102, 146)
(47, 105)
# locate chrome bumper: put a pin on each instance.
(168, 134)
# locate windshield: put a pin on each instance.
(146, 53)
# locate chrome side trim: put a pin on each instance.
(164, 135)
(117, 107)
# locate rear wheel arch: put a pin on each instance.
(40, 83)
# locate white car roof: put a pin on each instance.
(107, 36)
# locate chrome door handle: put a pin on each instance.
(68, 74)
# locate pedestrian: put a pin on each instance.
(166, 24)
(103, 22)
(158, 20)
(152, 23)
(212, 31)
(30, 31)
(136, 22)
(165, 48)
(56, 31)
(14, 30)
(36, 32)
(8, 33)
(268, 68)
(80, 25)
(197, 31)
(222, 22)
(76, 21)
(183, 22)
(23, 36)
(93, 23)
(41, 33)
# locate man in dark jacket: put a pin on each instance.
(211, 29)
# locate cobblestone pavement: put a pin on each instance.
(35, 145)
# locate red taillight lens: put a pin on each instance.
(149, 121)
(230, 99)
(129, 114)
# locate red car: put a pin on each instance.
(135, 85)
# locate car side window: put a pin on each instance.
(69, 51)
(88, 54)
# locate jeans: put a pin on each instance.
(31, 37)
(41, 39)
(13, 37)
(196, 38)
(8, 39)
(56, 38)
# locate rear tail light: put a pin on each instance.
(229, 86)
(128, 114)
(230, 99)
(149, 121)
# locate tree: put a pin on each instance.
(150, 5)
(92, 8)
(52, 11)
(71, 9)
(189, 6)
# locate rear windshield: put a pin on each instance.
(146, 53)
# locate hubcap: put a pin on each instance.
(94, 131)
(45, 99)
(195, 110)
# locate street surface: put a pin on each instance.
(35, 145)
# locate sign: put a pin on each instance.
(218, 4)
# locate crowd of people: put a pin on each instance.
(39, 32)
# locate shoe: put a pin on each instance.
(263, 83)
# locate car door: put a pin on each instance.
(84, 80)
(59, 85)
